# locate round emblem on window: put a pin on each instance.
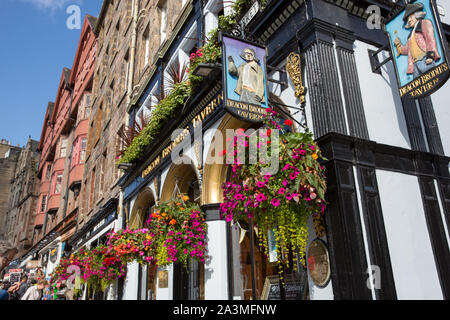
(319, 263)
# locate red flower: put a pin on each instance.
(288, 122)
(269, 132)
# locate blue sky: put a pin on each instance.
(36, 45)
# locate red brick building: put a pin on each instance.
(63, 152)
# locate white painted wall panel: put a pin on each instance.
(382, 105)
(445, 4)
(165, 293)
(216, 275)
(130, 289)
(412, 259)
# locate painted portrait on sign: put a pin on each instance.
(417, 48)
(244, 73)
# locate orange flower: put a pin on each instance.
(164, 214)
(154, 215)
(315, 156)
(173, 221)
(185, 198)
(179, 204)
(182, 209)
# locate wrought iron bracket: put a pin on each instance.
(375, 62)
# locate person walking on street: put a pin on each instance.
(18, 290)
(35, 292)
(4, 295)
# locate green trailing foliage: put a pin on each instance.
(169, 106)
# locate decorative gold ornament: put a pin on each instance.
(294, 69)
(319, 225)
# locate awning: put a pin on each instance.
(67, 235)
(32, 264)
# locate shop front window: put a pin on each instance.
(255, 276)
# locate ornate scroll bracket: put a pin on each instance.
(294, 69)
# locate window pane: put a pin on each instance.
(83, 150)
(58, 183)
(43, 203)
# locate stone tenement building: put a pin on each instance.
(21, 213)
(8, 160)
(130, 36)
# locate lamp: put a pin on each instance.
(205, 69)
(125, 166)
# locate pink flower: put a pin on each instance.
(260, 197)
(285, 182)
(275, 202)
(260, 184)
(281, 191)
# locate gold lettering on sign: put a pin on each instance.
(152, 166)
(424, 83)
(206, 111)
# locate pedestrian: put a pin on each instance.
(35, 292)
(4, 294)
(47, 294)
(18, 290)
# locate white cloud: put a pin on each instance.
(52, 5)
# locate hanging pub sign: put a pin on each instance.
(244, 78)
(418, 49)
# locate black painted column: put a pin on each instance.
(414, 125)
(344, 235)
(350, 83)
(444, 190)
(328, 115)
(437, 232)
(345, 240)
(373, 219)
(430, 126)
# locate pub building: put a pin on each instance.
(385, 233)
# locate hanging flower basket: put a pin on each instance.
(174, 232)
(278, 201)
(133, 245)
(180, 232)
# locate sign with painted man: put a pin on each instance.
(418, 49)
(244, 78)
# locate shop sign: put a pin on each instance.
(294, 289)
(79, 242)
(194, 123)
(14, 277)
(53, 255)
(98, 225)
(244, 78)
(163, 279)
(418, 49)
(319, 263)
(251, 13)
